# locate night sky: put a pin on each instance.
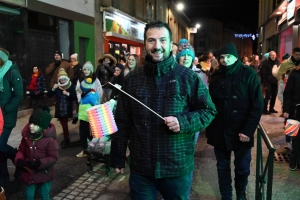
(244, 12)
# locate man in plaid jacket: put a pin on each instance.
(161, 149)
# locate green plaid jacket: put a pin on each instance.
(154, 149)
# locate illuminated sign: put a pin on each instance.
(250, 35)
(290, 10)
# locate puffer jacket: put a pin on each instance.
(284, 66)
(64, 103)
(169, 89)
(11, 98)
(44, 149)
(238, 99)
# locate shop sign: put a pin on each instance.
(16, 2)
(193, 30)
(249, 35)
(85, 7)
(290, 10)
(122, 24)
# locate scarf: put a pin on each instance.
(57, 63)
(74, 63)
(296, 62)
(65, 86)
(4, 68)
(158, 68)
(230, 68)
(36, 136)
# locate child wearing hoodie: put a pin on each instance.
(37, 153)
(65, 96)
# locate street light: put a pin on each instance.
(198, 25)
(180, 6)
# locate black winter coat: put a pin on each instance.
(77, 71)
(266, 71)
(104, 73)
(64, 103)
(238, 98)
(291, 94)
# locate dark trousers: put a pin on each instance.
(64, 123)
(147, 188)
(84, 133)
(271, 94)
(296, 149)
(242, 158)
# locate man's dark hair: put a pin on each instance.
(297, 49)
(157, 24)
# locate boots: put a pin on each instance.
(4, 175)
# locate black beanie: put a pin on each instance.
(228, 48)
(58, 52)
(41, 117)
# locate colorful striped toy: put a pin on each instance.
(101, 120)
(291, 127)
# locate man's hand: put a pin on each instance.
(117, 170)
(286, 115)
(172, 123)
(244, 138)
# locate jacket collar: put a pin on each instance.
(159, 68)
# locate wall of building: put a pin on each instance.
(86, 31)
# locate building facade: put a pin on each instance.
(32, 30)
(279, 26)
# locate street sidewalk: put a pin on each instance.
(97, 186)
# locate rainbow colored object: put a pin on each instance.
(291, 127)
(101, 120)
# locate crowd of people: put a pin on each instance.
(188, 93)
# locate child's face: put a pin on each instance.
(34, 128)
(86, 71)
(62, 81)
(35, 70)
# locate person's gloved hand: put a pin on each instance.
(34, 163)
(20, 163)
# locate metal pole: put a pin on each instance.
(258, 162)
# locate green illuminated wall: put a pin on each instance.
(85, 31)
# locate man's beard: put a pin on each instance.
(57, 62)
(158, 50)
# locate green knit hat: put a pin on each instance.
(41, 117)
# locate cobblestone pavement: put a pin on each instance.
(98, 186)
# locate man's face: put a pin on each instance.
(158, 43)
(210, 55)
(57, 56)
(196, 61)
(72, 59)
(227, 59)
(174, 49)
(186, 60)
(296, 55)
(272, 55)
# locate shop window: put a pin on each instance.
(64, 39)
(38, 21)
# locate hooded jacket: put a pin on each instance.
(45, 149)
(238, 98)
(11, 96)
(169, 89)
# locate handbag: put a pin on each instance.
(1, 121)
